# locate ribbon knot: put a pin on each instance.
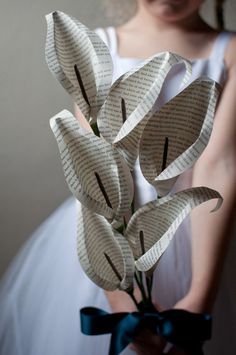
(183, 329)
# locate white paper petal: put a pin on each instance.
(70, 43)
(133, 96)
(96, 237)
(83, 156)
(159, 220)
(187, 122)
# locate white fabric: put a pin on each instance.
(43, 290)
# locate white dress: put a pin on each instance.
(43, 290)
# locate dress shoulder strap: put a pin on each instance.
(109, 37)
(220, 45)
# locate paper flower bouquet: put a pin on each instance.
(118, 240)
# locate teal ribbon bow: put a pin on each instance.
(183, 329)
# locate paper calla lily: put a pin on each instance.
(104, 254)
(131, 99)
(86, 75)
(179, 133)
(95, 172)
(152, 227)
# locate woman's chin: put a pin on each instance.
(171, 10)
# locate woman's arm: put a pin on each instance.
(216, 168)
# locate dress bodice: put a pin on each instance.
(213, 66)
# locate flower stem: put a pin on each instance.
(149, 281)
(131, 294)
(138, 279)
(132, 207)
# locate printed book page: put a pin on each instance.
(178, 133)
(131, 99)
(79, 60)
(153, 226)
(95, 173)
(104, 254)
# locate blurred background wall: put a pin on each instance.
(31, 177)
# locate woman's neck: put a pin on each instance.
(191, 37)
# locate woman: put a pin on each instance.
(46, 286)
(177, 26)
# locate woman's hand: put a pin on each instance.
(147, 343)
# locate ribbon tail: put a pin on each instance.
(124, 333)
